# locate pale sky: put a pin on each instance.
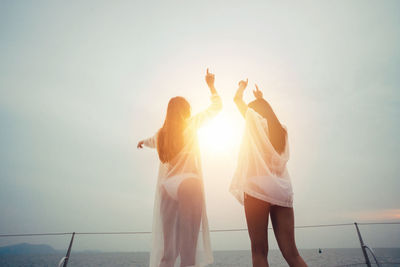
(81, 83)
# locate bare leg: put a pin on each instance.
(283, 223)
(257, 212)
(190, 207)
(169, 213)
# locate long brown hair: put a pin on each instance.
(277, 134)
(170, 137)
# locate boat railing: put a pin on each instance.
(64, 261)
(373, 255)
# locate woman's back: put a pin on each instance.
(261, 171)
(187, 161)
(179, 207)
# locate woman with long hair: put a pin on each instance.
(261, 181)
(179, 208)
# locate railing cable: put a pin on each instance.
(212, 230)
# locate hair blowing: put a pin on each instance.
(170, 137)
(277, 134)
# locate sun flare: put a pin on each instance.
(222, 134)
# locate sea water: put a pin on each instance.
(241, 258)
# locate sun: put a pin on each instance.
(222, 134)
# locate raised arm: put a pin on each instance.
(216, 104)
(238, 99)
(210, 79)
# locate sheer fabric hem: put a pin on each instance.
(287, 204)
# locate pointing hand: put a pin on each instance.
(257, 93)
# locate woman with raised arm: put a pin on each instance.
(261, 181)
(179, 208)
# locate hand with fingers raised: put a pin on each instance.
(257, 93)
(210, 78)
(243, 84)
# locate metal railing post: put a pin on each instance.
(69, 250)
(373, 255)
(362, 246)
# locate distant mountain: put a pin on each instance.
(25, 248)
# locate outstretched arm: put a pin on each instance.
(238, 99)
(149, 142)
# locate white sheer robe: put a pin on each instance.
(261, 171)
(185, 165)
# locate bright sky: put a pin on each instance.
(81, 83)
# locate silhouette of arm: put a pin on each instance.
(216, 106)
(238, 99)
(150, 142)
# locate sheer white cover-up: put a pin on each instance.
(185, 165)
(261, 171)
